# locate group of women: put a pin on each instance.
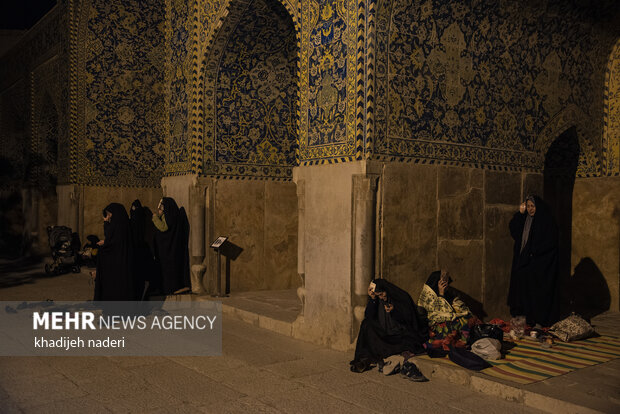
(142, 250)
(393, 324)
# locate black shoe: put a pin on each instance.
(412, 373)
(360, 366)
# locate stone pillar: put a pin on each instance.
(301, 264)
(197, 202)
(68, 206)
(364, 226)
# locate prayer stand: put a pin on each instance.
(230, 251)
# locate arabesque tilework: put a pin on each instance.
(121, 77)
(158, 88)
(251, 93)
(481, 82)
(611, 123)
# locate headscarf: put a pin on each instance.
(528, 222)
(171, 211)
(115, 277)
(405, 309)
(172, 247)
(118, 226)
(433, 283)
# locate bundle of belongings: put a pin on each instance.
(485, 342)
(572, 328)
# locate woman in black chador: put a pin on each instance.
(142, 233)
(114, 277)
(535, 262)
(391, 326)
(171, 246)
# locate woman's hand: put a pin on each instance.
(100, 242)
(522, 208)
(442, 285)
(371, 293)
(389, 307)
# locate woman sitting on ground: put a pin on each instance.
(390, 326)
(449, 319)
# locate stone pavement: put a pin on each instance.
(263, 371)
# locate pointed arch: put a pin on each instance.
(213, 55)
(571, 116)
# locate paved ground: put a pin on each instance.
(259, 371)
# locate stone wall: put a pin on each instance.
(596, 243)
(261, 218)
(436, 217)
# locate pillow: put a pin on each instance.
(572, 328)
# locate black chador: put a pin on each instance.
(534, 264)
(171, 248)
(142, 233)
(384, 333)
(115, 258)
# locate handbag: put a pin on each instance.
(572, 328)
(485, 330)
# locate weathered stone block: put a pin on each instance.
(498, 260)
(596, 230)
(461, 217)
(464, 261)
(533, 183)
(476, 178)
(240, 215)
(453, 181)
(280, 256)
(409, 224)
(502, 187)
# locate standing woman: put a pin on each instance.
(535, 262)
(114, 278)
(171, 246)
(142, 232)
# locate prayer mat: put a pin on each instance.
(529, 362)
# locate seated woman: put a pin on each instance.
(449, 319)
(390, 326)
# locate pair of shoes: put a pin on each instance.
(412, 373)
(392, 365)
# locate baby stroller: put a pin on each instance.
(65, 246)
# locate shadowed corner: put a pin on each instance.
(586, 292)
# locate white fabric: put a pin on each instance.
(487, 348)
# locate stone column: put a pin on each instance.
(364, 220)
(197, 202)
(301, 265)
(69, 206)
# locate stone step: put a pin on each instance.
(540, 395)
